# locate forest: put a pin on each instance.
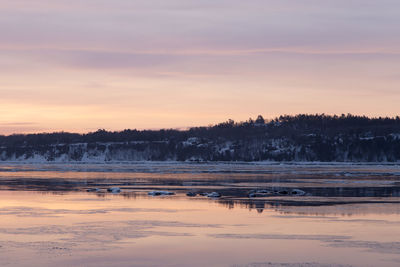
(303, 137)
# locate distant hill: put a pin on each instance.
(345, 138)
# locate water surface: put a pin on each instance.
(349, 216)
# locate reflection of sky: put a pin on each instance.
(325, 185)
(76, 228)
(82, 65)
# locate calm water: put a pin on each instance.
(349, 215)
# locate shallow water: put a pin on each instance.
(350, 215)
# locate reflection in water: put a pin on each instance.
(299, 205)
(324, 185)
(72, 228)
(350, 215)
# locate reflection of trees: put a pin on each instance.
(317, 208)
(311, 206)
(251, 205)
(129, 195)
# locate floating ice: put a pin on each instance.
(114, 190)
(93, 190)
(214, 194)
(160, 193)
(265, 192)
(260, 193)
(297, 192)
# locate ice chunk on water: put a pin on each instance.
(297, 192)
(160, 193)
(114, 190)
(214, 194)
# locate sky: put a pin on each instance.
(115, 64)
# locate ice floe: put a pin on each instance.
(160, 193)
(210, 195)
(114, 190)
(282, 192)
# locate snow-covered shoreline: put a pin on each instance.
(38, 160)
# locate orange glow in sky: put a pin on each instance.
(84, 65)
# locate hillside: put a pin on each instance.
(319, 137)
